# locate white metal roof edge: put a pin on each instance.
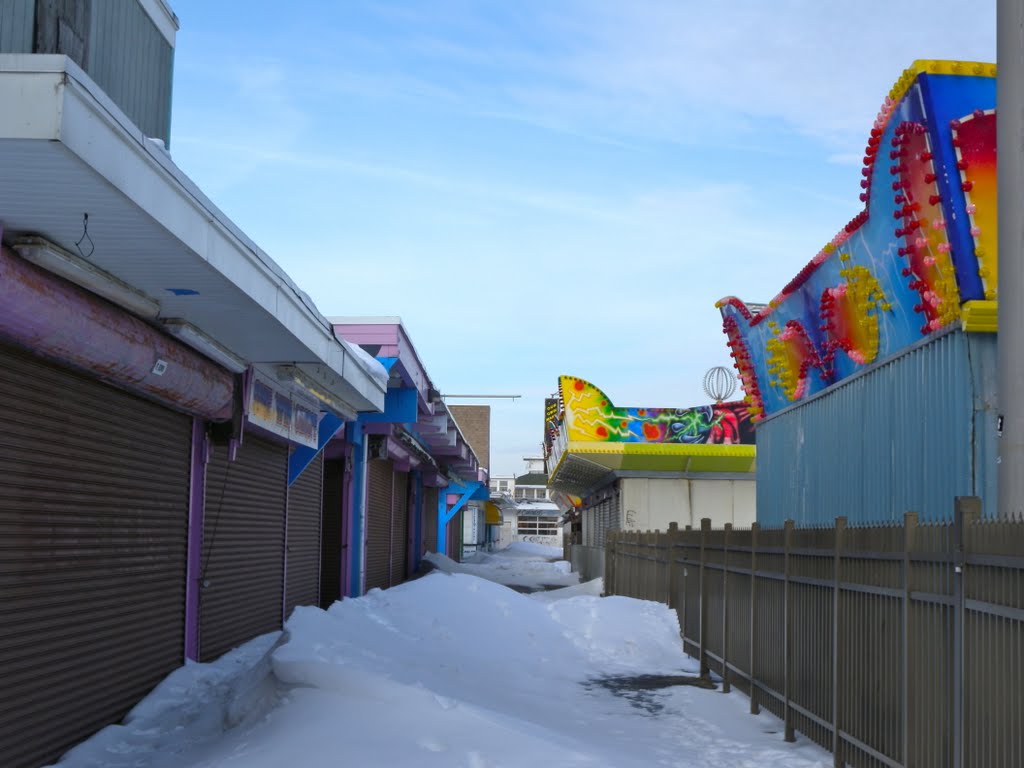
(74, 111)
(371, 320)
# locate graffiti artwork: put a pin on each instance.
(590, 416)
(907, 265)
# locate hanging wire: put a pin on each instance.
(216, 523)
(85, 238)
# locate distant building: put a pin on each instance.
(528, 513)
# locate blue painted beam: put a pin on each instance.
(400, 407)
(445, 515)
(302, 456)
(355, 545)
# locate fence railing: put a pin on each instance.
(898, 645)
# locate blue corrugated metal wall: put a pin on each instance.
(907, 435)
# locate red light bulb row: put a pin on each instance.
(745, 366)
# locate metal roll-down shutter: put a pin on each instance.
(378, 523)
(243, 545)
(94, 491)
(302, 561)
(332, 538)
(399, 528)
(430, 518)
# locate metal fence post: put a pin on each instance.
(837, 629)
(673, 571)
(646, 566)
(609, 564)
(909, 531)
(965, 510)
(755, 708)
(705, 529)
(726, 687)
(650, 582)
(787, 603)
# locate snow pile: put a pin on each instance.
(523, 565)
(449, 670)
(194, 705)
(367, 362)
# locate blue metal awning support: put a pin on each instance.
(302, 456)
(399, 408)
(467, 491)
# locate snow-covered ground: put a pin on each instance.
(452, 669)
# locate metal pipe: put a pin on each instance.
(1010, 348)
(56, 319)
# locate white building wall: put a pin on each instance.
(650, 504)
(724, 501)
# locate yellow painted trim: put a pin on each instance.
(938, 67)
(661, 449)
(980, 316)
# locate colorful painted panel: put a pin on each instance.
(590, 416)
(902, 268)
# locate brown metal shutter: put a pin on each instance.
(430, 518)
(331, 538)
(94, 488)
(455, 536)
(302, 581)
(400, 528)
(243, 546)
(378, 523)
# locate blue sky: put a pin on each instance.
(539, 188)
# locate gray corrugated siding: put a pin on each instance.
(243, 546)
(94, 489)
(17, 25)
(378, 524)
(331, 538)
(399, 528)
(909, 435)
(302, 582)
(136, 74)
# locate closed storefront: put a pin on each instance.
(378, 523)
(430, 519)
(302, 562)
(399, 528)
(332, 540)
(454, 533)
(243, 545)
(94, 498)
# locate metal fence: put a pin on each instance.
(898, 645)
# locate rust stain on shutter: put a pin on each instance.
(243, 546)
(93, 533)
